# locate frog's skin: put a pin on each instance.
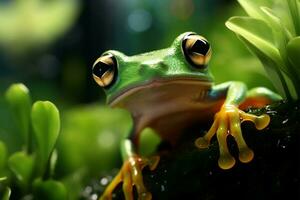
(168, 90)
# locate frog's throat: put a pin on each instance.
(203, 81)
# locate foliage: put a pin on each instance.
(88, 145)
(272, 33)
(29, 171)
(29, 24)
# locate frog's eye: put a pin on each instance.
(105, 70)
(196, 50)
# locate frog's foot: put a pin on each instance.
(131, 175)
(228, 122)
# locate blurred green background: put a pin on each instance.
(50, 46)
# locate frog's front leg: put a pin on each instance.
(131, 173)
(227, 121)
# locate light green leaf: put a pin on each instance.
(293, 51)
(3, 156)
(52, 163)
(148, 142)
(3, 178)
(282, 35)
(294, 12)
(259, 34)
(271, 68)
(23, 27)
(251, 8)
(6, 194)
(293, 86)
(21, 164)
(50, 190)
(46, 125)
(19, 101)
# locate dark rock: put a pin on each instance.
(189, 173)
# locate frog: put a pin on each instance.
(169, 89)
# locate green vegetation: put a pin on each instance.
(47, 154)
(53, 162)
(273, 35)
(30, 170)
(26, 25)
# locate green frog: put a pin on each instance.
(168, 90)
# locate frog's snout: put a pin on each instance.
(153, 67)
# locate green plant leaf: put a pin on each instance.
(149, 141)
(251, 8)
(270, 66)
(22, 164)
(3, 156)
(282, 36)
(19, 101)
(294, 12)
(49, 190)
(257, 9)
(6, 194)
(293, 51)
(46, 125)
(51, 165)
(52, 162)
(259, 34)
(280, 33)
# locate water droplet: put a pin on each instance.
(104, 181)
(278, 143)
(162, 188)
(94, 197)
(88, 189)
(285, 121)
(268, 107)
(271, 112)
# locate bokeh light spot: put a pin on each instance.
(106, 139)
(182, 9)
(139, 20)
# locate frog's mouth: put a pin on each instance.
(165, 85)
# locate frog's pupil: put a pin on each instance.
(100, 68)
(200, 46)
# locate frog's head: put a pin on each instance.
(184, 62)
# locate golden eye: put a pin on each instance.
(197, 50)
(105, 70)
